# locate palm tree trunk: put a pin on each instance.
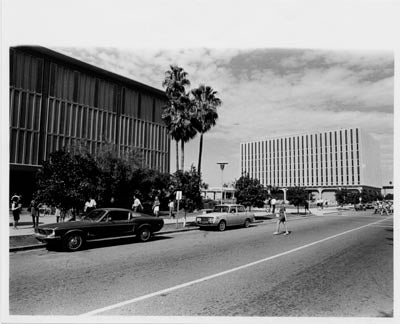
(200, 154)
(182, 155)
(177, 155)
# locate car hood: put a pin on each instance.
(67, 225)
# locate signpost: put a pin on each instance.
(178, 197)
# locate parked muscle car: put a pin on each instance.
(100, 224)
(225, 215)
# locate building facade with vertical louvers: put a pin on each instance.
(323, 161)
(56, 101)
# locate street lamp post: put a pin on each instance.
(222, 166)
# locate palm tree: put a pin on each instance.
(204, 113)
(175, 83)
(179, 125)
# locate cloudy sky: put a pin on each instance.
(280, 66)
(269, 92)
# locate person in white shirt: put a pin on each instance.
(136, 204)
(273, 203)
(90, 205)
(171, 208)
(156, 206)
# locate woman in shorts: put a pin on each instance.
(281, 219)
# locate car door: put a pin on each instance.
(118, 223)
(242, 215)
(232, 216)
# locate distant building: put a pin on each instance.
(320, 161)
(56, 101)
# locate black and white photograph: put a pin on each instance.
(199, 161)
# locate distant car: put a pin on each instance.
(225, 215)
(360, 207)
(99, 224)
(369, 206)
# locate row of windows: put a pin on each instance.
(65, 123)
(322, 141)
(275, 161)
(27, 72)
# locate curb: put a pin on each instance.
(27, 247)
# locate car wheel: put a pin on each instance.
(144, 234)
(221, 226)
(73, 242)
(246, 223)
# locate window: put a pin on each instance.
(118, 215)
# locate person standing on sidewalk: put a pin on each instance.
(34, 213)
(156, 206)
(16, 209)
(273, 203)
(136, 204)
(171, 208)
(57, 213)
(281, 219)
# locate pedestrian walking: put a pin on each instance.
(385, 208)
(156, 206)
(137, 205)
(273, 203)
(281, 219)
(16, 210)
(306, 207)
(171, 208)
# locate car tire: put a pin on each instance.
(73, 242)
(221, 226)
(144, 234)
(246, 223)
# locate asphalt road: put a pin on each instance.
(338, 265)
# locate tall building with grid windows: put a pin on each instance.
(56, 100)
(321, 161)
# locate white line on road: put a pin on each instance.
(190, 283)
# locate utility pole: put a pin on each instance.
(222, 166)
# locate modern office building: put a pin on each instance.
(320, 161)
(56, 101)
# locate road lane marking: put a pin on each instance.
(219, 274)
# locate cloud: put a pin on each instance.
(270, 92)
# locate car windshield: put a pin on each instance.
(221, 209)
(94, 216)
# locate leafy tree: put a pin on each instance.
(147, 184)
(341, 196)
(115, 174)
(389, 196)
(204, 113)
(297, 196)
(176, 113)
(250, 192)
(188, 182)
(67, 179)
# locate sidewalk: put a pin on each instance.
(23, 239)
